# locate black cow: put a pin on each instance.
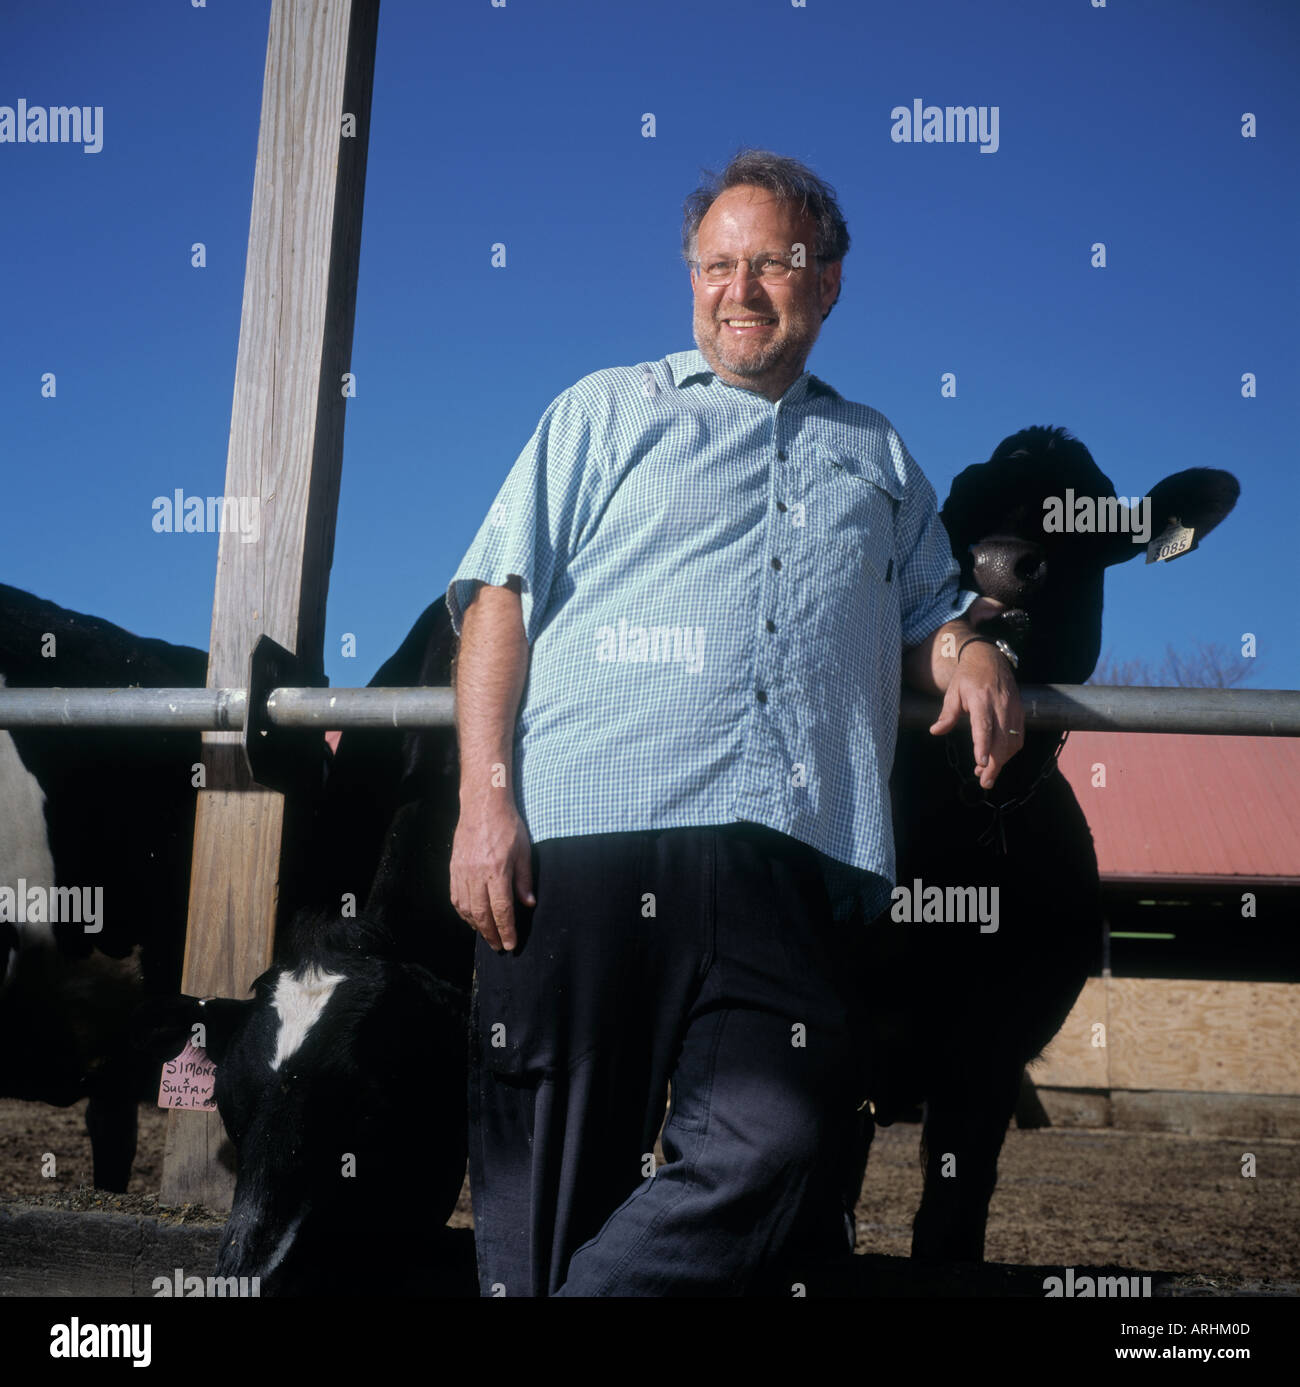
(95, 810)
(344, 1076)
(956, 1010)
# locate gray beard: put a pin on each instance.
(755, 366)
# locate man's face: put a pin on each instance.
(757, 333)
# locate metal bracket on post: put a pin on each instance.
(280, 758)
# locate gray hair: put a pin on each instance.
(789, 180)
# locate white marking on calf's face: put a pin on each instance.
(300, 1002)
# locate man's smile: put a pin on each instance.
(751, 323)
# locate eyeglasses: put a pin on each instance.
(768, 266)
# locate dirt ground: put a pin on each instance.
(1065, 1197)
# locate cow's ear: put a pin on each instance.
(1198, 497)
(161, 1026)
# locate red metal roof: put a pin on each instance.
(1182, 805)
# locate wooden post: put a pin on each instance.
(286, 450)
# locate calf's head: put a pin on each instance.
(1035, 528)
(342, 1078)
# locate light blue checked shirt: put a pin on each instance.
(717, 591)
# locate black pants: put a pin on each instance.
(705, 957)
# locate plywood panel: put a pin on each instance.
(1175, 1035)
(1208, 1037)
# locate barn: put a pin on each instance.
(1197, 996)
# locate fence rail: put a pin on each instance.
(1079, 707)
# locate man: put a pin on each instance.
(704, 570)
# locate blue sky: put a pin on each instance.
(523, 124)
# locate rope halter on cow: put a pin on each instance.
(974, 795)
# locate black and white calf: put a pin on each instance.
(95, 838)
(956, 1010)
(342, 1081)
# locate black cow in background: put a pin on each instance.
(91, 808)
(956, 1010)
(344, 1077)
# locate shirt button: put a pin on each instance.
(761, 695)
(780, 505)
(771, 625)
(776, 563)
(780, 455)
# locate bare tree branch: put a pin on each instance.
(1209, 666)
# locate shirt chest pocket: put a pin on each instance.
(849, 507)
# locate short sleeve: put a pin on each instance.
(534, 525)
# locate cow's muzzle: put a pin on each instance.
(1009, 570)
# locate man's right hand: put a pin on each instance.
(491, 866)
(491, 855)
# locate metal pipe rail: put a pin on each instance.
(1079, 707)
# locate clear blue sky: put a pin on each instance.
(523, 125)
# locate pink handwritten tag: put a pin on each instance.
(187, 1081)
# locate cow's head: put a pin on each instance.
(341, 1077)
(1035, 528)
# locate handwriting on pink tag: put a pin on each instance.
(187, 1081)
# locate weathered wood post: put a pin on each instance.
(286, 450)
